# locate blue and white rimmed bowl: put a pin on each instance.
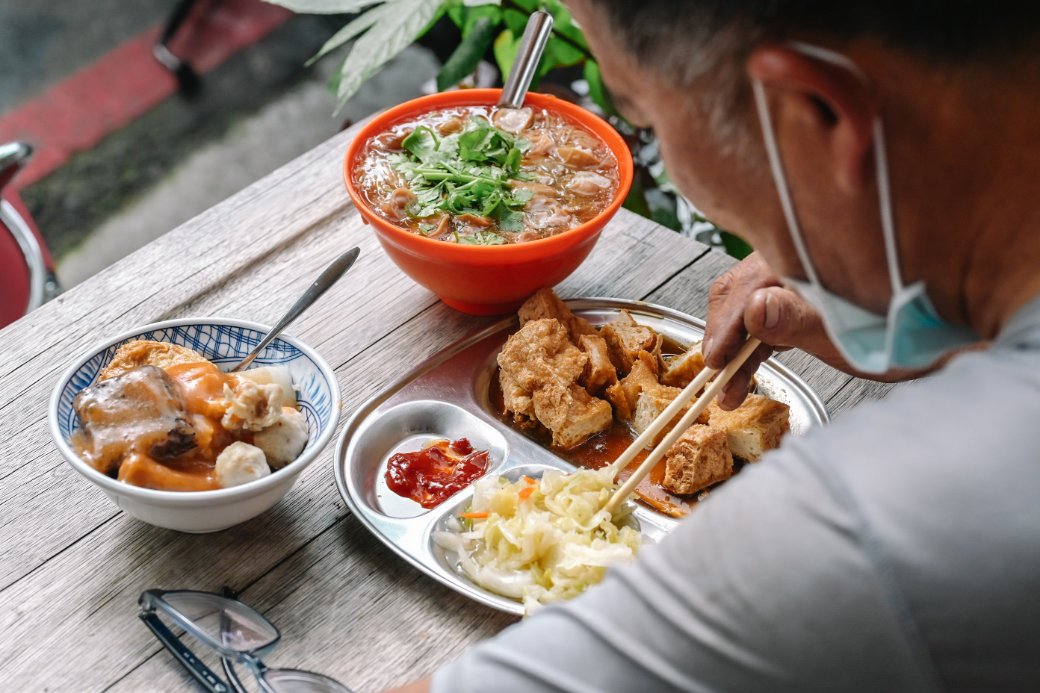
(224, 342)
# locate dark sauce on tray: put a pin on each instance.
(432, 475)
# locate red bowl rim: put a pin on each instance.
(474, 97)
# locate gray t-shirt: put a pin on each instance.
(897, 549)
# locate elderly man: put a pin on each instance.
(883, 159)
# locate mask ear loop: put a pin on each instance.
(780, 179)
(888, 224)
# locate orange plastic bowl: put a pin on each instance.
(487, 280)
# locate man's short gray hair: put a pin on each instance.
(690, 41)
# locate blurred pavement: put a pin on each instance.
(254, 113)
(258, 144)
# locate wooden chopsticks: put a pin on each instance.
(663, 419)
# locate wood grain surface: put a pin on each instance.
(73, 564)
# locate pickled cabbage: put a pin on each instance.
(541, 540)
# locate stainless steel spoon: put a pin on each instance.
(329, 276)
(532, 45)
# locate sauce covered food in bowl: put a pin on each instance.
(153, 418)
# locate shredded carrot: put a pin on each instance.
(473, 516)
(526, 492)
(528, 480)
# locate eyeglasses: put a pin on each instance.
(239, 633)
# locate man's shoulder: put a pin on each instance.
(939, 480)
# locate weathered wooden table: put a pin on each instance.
(73, 564)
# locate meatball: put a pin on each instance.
(251, 407)
(285, 440)
(240, 463)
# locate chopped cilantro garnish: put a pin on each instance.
(468, 172)
(482, 238)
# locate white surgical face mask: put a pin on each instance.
(911, 335)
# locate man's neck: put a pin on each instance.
(1003, 270)
(995, 216)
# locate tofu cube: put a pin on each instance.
(546, 304)
(515, 399)
(599, 371)
(626, 338)
(680, 370)
(700, 458)
(651, 402)
(754, 427)
(570, 413)
(625, 393)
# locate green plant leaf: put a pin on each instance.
(735, 245)
(475, 13)
(635, 201)
(526, 6)
(464, 60)
(324, 6)
(352, 29)
(465, 12)
(397, 25)
(662, 208)
(506, 47)
(562, 53)
(515, 20)
(597, 89)
(564, 24)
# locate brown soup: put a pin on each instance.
(481, 175)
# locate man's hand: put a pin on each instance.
(750, 300)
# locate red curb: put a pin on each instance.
(78, 112)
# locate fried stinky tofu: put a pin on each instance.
(651, 403)
(599, 371)
(539, 371)
(140, 408)
(145, 352)
(541, 352)
(570, 413)
(754, 427)
(546, 304)
(624, 394)
(626, 338)
(681, 369)
(700, 458)
(653, 400)
(516, 400)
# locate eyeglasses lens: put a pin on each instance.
(296, 681)
(226, 621)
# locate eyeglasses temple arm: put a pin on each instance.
(202, 673)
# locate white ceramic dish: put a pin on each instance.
(224, 342)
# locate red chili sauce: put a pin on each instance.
(432, 475)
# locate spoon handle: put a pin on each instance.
(329, 276)
(532, 45)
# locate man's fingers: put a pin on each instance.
(725, 321)
(736, 390)
(779, 317)
(727, 300)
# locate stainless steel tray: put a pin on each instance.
(448, 397)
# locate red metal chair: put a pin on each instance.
(27, 276)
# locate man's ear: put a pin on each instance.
(826, 107)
